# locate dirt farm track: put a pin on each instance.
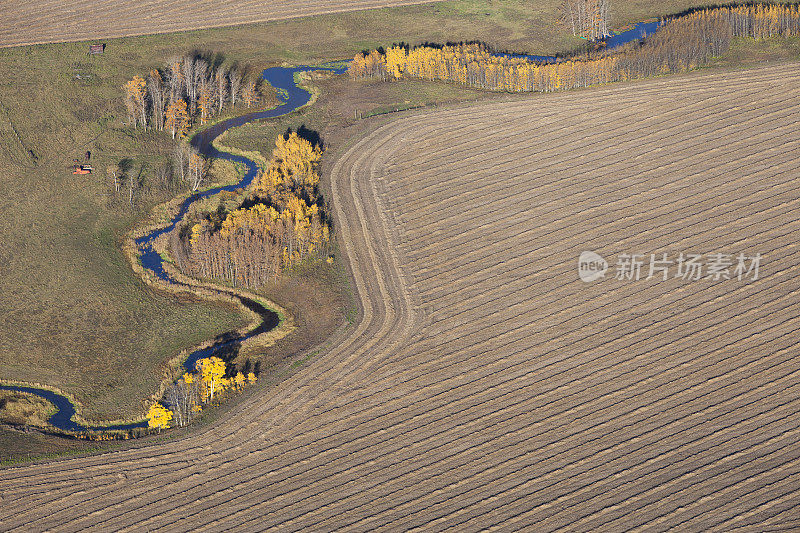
(485, 384)
(53, 21)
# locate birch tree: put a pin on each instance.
(135, 101)
(198, 168)
(188, 70)
(184, 399)
(155, 91)
(235, 82)
(180, 158)
(221, 87)
(587, 18)
(174, 79)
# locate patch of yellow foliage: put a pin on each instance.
(158, 416)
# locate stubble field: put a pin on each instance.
(484, 384)
(59, 21)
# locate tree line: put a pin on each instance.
(587, 18)
(188, 90)
(186, 397)
(681, 43)
(129, 183)
(281, 224)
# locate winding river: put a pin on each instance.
(292, 97)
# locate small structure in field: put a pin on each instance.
(97, 48)
(82, 169)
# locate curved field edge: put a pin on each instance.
(449, 425)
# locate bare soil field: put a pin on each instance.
(484, 384)
(59, 21)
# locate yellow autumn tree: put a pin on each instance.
(204, 103)
(135, 100)
(284, 225)
(176, 118)
(212, 372)
(294, 166)
(396, 59)
(681, 43)
(158, 416)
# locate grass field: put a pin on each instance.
(22, 408)
(486, 385)
(74, 315)
(342, 102)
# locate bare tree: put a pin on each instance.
(198, 168)
(131, 108)
(180, 157)
(587, 18)
(174, 79)
(572, 14)
(221, 87)
(182, 398)
(235, 78)
(188, 90)
(602, 19)
(200, 76)
(187, 69)
(113, 173)
(155, 91)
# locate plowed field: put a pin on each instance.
(485, 384)
(52, 21)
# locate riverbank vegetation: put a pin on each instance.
(23, 409)
(281, 224)
(588, 18)
(189, 91)
(169, 102)
(681, 44)
(185, 399)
